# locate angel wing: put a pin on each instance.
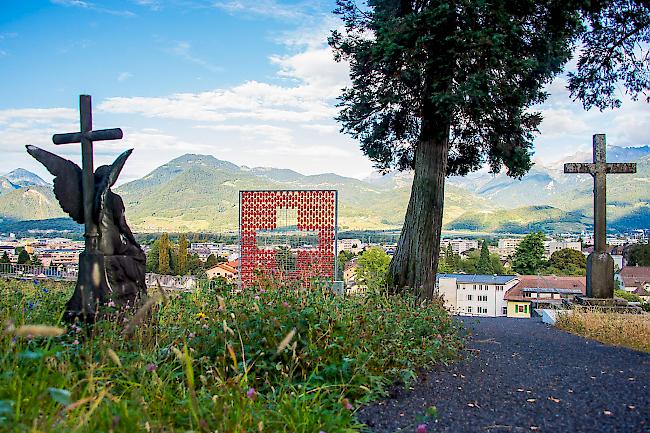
(106, 176)
(67, 181)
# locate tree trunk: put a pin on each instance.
(416, 259)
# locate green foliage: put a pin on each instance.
(372, 268)
(211, 261)
(153, 257)
(183, 245)
(23, 258)
(470, 264)
(285, 259)
(212, 360)
(164, 255)
(628, 296)
(529, 255)
(614, 54)
(5, 258)
(567, 262)
(484, 265)
(36, 261)
(639, 255)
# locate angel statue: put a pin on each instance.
(112, 268)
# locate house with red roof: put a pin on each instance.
(636, 279)
(541, 291)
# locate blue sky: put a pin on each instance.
(251, 82)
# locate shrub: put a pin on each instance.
(214, 360)
(620, 329)
(630, 297)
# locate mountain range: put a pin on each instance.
(200, 193)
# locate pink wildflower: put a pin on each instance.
(347, 405)
(111, 304)
(251, 393)
(285, 304)
(75, 342)
(422, 428)
(151, 367)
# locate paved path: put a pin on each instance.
(524, 376)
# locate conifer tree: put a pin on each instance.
(164, 259)
(529, 254)
(444, 87)
(182, 255)
(484, 265)
(23, 258)
(5, 258)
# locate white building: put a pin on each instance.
(552, 246)
(458, 246)
(475, 295)
(507, 246)
(352, 245)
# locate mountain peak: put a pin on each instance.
(22, 177)
(204, 160)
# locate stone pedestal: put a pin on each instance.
(101, 279)
(600, 276)
(90, 283)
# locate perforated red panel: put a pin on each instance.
(316, 212)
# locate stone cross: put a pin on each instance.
(600, 266)
(86, 137)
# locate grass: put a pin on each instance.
(619, 329)
(268, 360)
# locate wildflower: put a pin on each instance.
(151, 367)
(251, 394)
(36, 282)
(46, 291)
(257, 297)
(262, 291)
(191, 335)
(285, 304)
(205, 326)
(76, 342)
(422, 428)
(347, 405)
(201, 315)
(111, 304)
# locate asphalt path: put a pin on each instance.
(522, 375)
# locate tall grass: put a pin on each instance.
(266, 360)
(619, 329)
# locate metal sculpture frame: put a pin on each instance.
(316, 211)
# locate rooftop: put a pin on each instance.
(478, 279)
(546, 284)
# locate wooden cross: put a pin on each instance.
(598, 263)
(86, 137)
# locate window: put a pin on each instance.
(522, 309)
(482, 310)
(469, 298)
(469, 309)
(482, 298)
(504, 311)
(474, 286)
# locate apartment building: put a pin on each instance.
(475, 295)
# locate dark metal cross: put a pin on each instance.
(86, 137)
(597, 275)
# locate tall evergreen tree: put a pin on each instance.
(529, 255)
(153, 257)
(484, 265)
(211, 261)
(164, 259)
(182, 255)
(5, 258)
(442, 87)
(23, 258)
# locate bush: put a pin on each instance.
(629, 297)
(214, 360)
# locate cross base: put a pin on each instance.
(600, 276)
(91, 281)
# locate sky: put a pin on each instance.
(248, 81)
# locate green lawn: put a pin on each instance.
(213, 361)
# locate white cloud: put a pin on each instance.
(263, 8)
(183, 49)
(92, 6)
(123, 76)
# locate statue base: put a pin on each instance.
(102, 279)
(600, 276)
